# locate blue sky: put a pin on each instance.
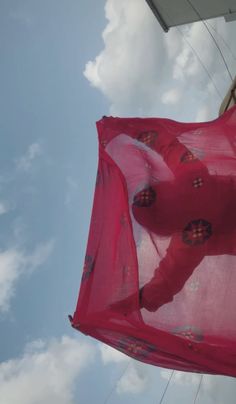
(46, 106)
(60, 72)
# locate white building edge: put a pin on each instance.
(171, 13)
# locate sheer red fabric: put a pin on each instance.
(159, 279)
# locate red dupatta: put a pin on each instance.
(159, 277)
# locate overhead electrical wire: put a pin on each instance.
(196, 55)
(200, 61)
(198, 389)
(168, 383)
(166, 388)
(222, 39)
(213, 38)
(115, 384)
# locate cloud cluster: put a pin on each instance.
(4, 207)
(213, 389)
(46, 373)
(171, 97)
(144, 71)
(25, 162)
(127, 70)
(72, 188)
(136, 377)
(111, 355)
(14, 263)
(136, 380)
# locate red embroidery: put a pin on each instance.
(197, 232)
(145, 198)
(148, 138)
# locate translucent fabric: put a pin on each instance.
(159, 279)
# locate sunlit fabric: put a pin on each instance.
(159, 278)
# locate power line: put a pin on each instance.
(200, 61)
(115, 384)
(198, 389)
(222, 39)
(167, 385)
(196, 55)
(213, 38)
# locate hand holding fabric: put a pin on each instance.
(152, 296)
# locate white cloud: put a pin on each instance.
(136, 377)
(128, 70)
(203, 114)
(172, 96)
(111, 355)
(13, 264)
(135, 380)
(181, 377)
(25, 162)
(72, 188)
(4, 208)
(39, 256)
(187, 63)
(140, 63)
(218, 389)
(46, 373)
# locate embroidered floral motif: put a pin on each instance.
(188, 157)
(148, 138)
(135, 347)
(88, 267)
(197, 232)
(198, 182)
(189, 332)
(145, 198)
